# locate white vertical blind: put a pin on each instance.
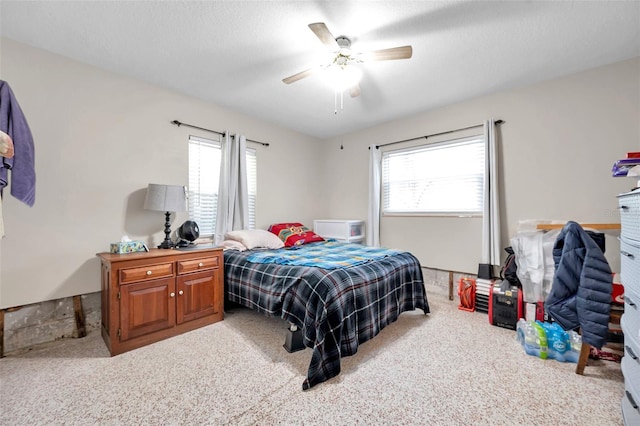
(252, 185)
(440, 178)
(204, 177)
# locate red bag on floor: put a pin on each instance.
(467, 294)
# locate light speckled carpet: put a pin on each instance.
(448, 368)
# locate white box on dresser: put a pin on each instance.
(348, 231)
(629, 204)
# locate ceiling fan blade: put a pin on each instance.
(354, 90)
(298, 76)
(402, 52)
(325, 36)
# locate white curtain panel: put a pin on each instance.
(373, 219)
(1, 221)
(233, 195)
(491, 217)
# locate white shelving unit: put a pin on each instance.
(629, 204)
(348, 231)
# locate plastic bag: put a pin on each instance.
(534, 258)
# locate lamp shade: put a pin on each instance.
(166, 198)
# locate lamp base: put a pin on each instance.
(167, 243)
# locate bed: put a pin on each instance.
(340, 295)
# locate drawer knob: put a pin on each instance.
(627, 254)
(200, 265)
(149, 272)
(181, 292)
(624, 207)
(172, 294)
(629, 301)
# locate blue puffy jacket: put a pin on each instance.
(581, 291)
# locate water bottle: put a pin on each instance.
(533, 338)
(575, 345)
(557, 339)
(541, 340)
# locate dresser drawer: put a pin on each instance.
(630, 411)
(631, 371)
(632, 348)
(144, 273)
(630, 321)
(630, 264)
(187, 266)
(629, 204)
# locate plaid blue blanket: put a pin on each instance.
(337, 309)
(326, 255)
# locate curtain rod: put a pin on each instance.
(436, 134)
(178, 123)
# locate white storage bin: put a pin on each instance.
(630, 410)
(630, 264)
(631, 370)
(630, 275)
(629, 204)
(348, 231)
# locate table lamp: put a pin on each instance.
(166, 198)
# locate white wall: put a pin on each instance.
(100, 138)
(558, 144)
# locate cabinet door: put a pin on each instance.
(199, 295)
(147, 307)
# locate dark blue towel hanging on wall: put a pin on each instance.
(22, 165)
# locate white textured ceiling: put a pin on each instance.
(236, 53)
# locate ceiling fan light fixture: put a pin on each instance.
(340, 78)
(339, 70)
(345, 46)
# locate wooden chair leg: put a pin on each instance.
(584, 356)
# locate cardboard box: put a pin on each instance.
(128, 247)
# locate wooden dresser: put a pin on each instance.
(147, 297)
(629, 204)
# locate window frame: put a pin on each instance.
(216, 143)
(476, 140)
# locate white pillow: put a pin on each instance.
(233, 245)
(253, 238)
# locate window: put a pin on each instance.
(440, 178)
(204, 178)
(252, 185)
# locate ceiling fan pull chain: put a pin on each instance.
(335, 101)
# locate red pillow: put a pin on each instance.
(294, 234)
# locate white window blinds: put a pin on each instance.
(252, 185)
(204, 178)
(440, 178)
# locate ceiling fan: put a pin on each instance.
(344, 58)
